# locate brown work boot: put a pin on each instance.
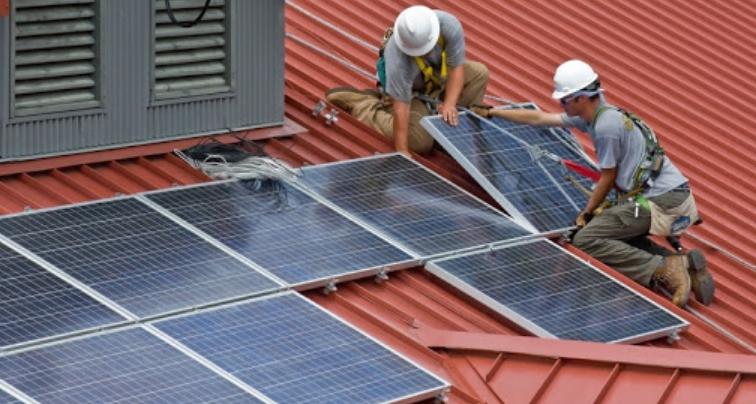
(673, 274)
(701, 280)
(347, 97)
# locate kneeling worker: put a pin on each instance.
(425, 54)
(655, 196)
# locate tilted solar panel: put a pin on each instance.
(550, 292)
(134, 256)
(6, 398)
(124, 366)
(282, 229)
(36, 304)
(410, 204)
(506, 160)
(291, 350)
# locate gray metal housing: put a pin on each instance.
(128, 112)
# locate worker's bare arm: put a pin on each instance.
(401, 126)
(528, 116)
(604, 185)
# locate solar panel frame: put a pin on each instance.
(437, 391)
(436, 268)
(11, 395)
(427, 394)
(375, 228)
(144, 198)
(329, 280)
(76, 286)
(429, 123)
(102, 297)
(145, 330)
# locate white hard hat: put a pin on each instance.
(416, 30)
(571, 77)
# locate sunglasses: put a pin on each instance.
(586, 92)
(566, 100)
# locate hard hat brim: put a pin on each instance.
(558, 95)
(421, 50)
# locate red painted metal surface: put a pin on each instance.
(687, 67)
(4, 8)
(687, 81)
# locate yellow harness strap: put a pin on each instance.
(431, 80)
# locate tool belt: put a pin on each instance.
(673, 221)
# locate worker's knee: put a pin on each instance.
(476, 72)
(420, 141)
(583, 239)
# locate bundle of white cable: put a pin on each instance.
(216, 166)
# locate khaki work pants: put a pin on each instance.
(619, 239)
(378, 113)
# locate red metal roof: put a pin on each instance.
(686, 67)
(693, 83)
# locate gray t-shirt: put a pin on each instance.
(617, 147)
(402, 74)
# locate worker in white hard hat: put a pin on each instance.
(421, 70)
(655, 197)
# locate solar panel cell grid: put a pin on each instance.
(282, 229)
(562, 295)
(410, 204)
(127, 366)
(36, 304)
(6, 398)
(501, 156)
(292, 351)
(134, 256)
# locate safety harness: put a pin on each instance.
(431, 80)
(653, 155)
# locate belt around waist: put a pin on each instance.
(684, 187)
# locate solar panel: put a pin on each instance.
(6, 398)
(551, 293)
(282, 229)
(36, 304)
(291, 350)
(410, 204)
(126, 366)
(134, 256)
(503, 158)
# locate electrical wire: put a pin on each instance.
(185, 24)
(254, 167)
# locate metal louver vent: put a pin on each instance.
(190, 61)
(55, 60)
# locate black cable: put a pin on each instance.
(169, 11)
(272, 194)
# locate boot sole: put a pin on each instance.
(705, 291)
